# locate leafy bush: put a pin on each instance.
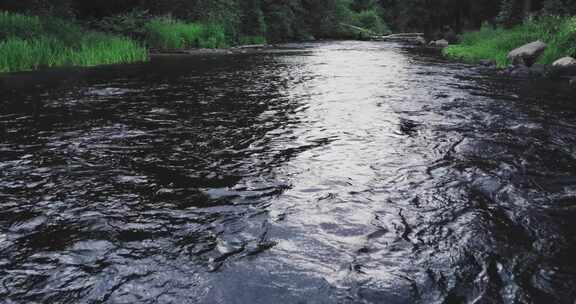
(495, 43)
(364, 16)
(371, 20)
(16, 25)
(168, 33)
(131, 24)
(212, 36)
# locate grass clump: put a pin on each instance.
(559, 33)
(98, 48)
(17, 54)
(168, 33)
(30, 43)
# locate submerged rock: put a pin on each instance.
(563, 71)
(527, 54)
(538, 70)
(565, 61)
(440, 43)
(520, 71)
(488, 63)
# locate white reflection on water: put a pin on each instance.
(348, 108)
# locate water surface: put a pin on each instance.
(344, 172)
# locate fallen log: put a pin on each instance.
(400, 36)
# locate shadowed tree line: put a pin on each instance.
(277, 20)
(461, 15)
(280, 20)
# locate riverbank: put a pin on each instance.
(495, 43)
(31, 42)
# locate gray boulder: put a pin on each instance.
(440, 43)
(420, 40)
(565, 61)
(527, 54)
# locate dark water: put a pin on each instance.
(347, 172)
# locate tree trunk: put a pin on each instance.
(527, 7)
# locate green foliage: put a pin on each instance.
(212, 36)
(559, 7)
(370, 20)
(561, 38)
(34, 43)
(17, 54)
(495, 43)
(361, 14)
(131, 24)
(250, 40)
(508, 13)
(169, 33)
(253, 22)
(274, 19)
(98, 48)
(16, 25)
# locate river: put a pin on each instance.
(337, 172)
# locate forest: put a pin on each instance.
(36, 33)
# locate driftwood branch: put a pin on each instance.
(357, 28)
(374, 36)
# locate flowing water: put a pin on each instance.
(344, 172)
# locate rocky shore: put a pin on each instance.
(523, 62)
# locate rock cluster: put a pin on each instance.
(523, 64)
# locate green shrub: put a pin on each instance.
(367, 19)
(168, 33)
(372, 21)
(131, 24)
(16, 25)
(212, 35)
(495, 43)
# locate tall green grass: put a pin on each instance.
(168, 33)
(30, 43)
(559, 33)
(18, 54)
